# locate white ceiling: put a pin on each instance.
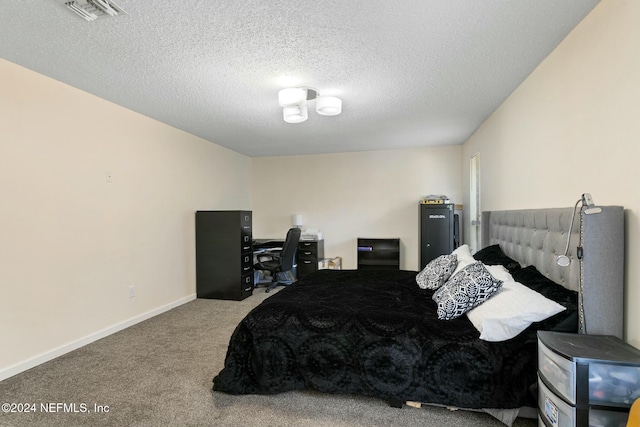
(411, 73)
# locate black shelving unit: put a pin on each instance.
(378, 254)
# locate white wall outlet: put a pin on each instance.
(132, 291)
(108, 176)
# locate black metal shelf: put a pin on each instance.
(378, 254)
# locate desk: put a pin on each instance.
(265, 244)
(308, 254)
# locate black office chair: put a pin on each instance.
(280, 261)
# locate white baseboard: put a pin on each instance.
(66, 348)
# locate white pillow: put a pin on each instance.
(464, 257)
(500, 273)
(511, 311)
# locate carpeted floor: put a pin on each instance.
(159, 372)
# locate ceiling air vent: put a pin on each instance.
(93, 9)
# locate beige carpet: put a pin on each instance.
(159, 372)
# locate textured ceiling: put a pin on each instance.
(411, 73)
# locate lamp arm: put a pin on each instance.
(573, 217)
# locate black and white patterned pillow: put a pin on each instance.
(437, 272)
(468, 288)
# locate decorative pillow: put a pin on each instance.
(511, 311)
(468, 288)
(493, 255)
(437, 272)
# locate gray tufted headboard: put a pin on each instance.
(537, 236)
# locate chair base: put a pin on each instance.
(276, 284)
(281, 282)
(281, 278)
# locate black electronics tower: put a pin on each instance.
(438, 236)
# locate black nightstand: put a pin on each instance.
(585, 380)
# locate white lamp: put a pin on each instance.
(296, 220)
(328, 105)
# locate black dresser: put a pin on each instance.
(224, 255)
(308, 255)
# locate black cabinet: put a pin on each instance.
(308, 255)
(224, 256)
(378, 254)
(585, 380)
(437, 237)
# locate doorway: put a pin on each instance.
(474, 203)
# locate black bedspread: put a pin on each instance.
(374, 333)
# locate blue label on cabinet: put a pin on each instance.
(551, 411)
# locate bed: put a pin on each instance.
(377, 333)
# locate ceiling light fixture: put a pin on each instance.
(294, 104)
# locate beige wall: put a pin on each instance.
(572, 127)
(71, 242)
(351, 195)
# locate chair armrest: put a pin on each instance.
(269, 255)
